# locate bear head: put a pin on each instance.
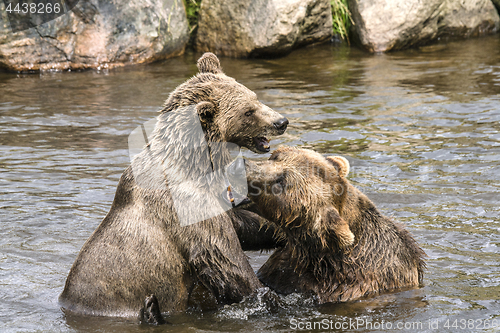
(303, 193)
(228, 111)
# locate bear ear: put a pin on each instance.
(209, 63)
(330, 222)
(206, 111)
(340, 163)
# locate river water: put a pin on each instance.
(420, 129)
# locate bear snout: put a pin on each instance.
(281, 125)
(274, 122)
(251, 170)
(254, 175)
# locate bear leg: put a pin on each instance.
(151, 313)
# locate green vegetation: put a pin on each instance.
(341, 19)
(192, 10)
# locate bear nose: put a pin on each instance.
(281, 125)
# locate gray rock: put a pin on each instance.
(497, 4)
(384, 25)
(261, 27)
(97, 34)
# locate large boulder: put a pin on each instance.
(97, 34)
(497, 4)
(384, 25)
(261, 27)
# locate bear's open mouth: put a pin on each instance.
(262, 144)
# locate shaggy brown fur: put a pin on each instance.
(339, 246)
(140, 248)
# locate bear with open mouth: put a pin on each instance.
(338, 245)
(142, 259)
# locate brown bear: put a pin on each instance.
(339, 246)
(142, 248)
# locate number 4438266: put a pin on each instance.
(471, 324)
(34, 8)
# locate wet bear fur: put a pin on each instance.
(339, 246)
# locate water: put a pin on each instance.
(420, 128)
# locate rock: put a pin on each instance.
(497, 4)
(97, 34)
(261, 27)
(384, 25)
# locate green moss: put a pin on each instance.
(341, 19)
(192, 10)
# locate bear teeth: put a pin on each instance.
(262, 144)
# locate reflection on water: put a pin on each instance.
(420, 128)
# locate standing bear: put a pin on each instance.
(339, 246)
(167, 236)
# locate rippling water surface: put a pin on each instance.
(420, 128)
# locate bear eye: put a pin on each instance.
(278, 187)
(250, 112)
(281, 181)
